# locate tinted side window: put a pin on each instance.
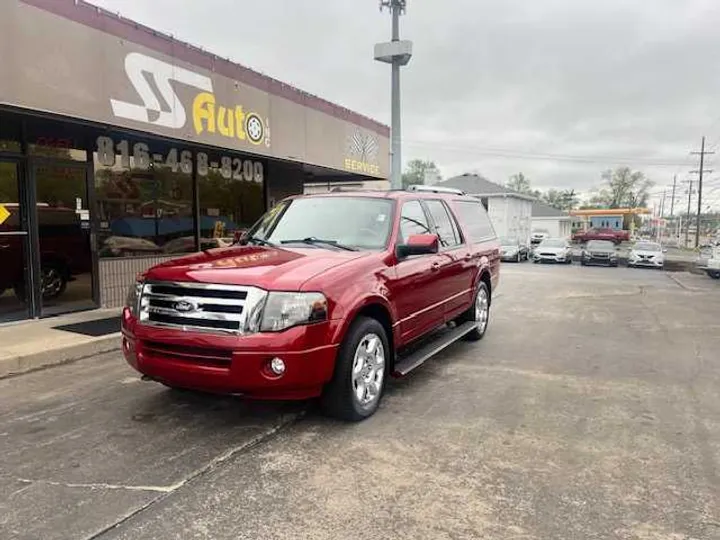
(475, 220)
(445, 227)
(413, 220)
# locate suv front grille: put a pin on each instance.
(199, 306)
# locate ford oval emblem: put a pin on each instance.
(183, 306)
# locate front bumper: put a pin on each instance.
(558, 258)
(230, 364)
(599, 261)
(647, 263)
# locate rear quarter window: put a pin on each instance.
(474, 220)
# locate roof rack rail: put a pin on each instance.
(435, 189)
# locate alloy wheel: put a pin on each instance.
(368, 370)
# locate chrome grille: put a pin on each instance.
(199, 306)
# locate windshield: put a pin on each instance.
(600, 244)
(553, 243)
(358, 222)
(647, 246)
(508, 241)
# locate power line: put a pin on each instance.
(541, 156)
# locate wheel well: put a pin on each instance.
(381, 315)
(485, 278)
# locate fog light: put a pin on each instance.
(277, 366)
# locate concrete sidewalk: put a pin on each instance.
(29, 345)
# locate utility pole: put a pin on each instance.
(700, 172)
(662, 206)
(687, 224)
(396, 53)
(672, 201)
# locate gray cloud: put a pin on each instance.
(498, 86)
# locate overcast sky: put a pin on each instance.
(557, 89)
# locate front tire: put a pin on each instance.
(715, 274)
(478, 312)
(357, 386)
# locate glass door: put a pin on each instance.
(14, 262)
(63, 225)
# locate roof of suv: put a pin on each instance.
(392, 194)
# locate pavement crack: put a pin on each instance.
(166, 491)
(99, 485)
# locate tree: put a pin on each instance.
(564, 200)
(521, 184)
(624, 188)
(416, 171)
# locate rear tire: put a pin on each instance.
(714, 274)
(357, 386)
(479, 311)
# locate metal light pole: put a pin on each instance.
(396, 53)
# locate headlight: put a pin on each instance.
(285, 309)
(133, 297)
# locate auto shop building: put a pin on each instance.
(121, 147)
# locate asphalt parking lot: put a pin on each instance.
(591, 410)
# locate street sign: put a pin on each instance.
(4, 214)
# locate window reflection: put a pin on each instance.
(229, 206)
(143, 211)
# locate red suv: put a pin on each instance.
(327, 295)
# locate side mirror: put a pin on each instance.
(418, 244)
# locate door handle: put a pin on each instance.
(435, 266)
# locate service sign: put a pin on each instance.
(63, 57)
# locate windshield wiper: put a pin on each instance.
(258, 240)
(312, 241)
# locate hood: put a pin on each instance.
(259, 266)
(600, 250)
(548, 249)
(645, 253)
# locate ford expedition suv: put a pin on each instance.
(325, 296)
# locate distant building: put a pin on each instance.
(509, 211)
(556, 222)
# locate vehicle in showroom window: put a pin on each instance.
(601, 252)
(556, 250)
(646, 254)
(325, 307)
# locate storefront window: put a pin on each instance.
(9, 133)
(144, 198)
(57, 140)
(231, 197)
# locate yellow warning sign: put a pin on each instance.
(4, 214)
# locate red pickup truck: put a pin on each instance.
(327, 295)
(616, 236)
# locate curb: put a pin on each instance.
(18, 365)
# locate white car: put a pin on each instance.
(553, 250)
(712, 267)
(647, 254)
(538, 235)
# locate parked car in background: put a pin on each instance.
(603, 252)
(538, 235)
(512, 249)
(557, 250)
(615, 236)
(646, 254)
(326, 296)
(711, 265)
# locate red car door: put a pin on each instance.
(418, 300)
(453, 263)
